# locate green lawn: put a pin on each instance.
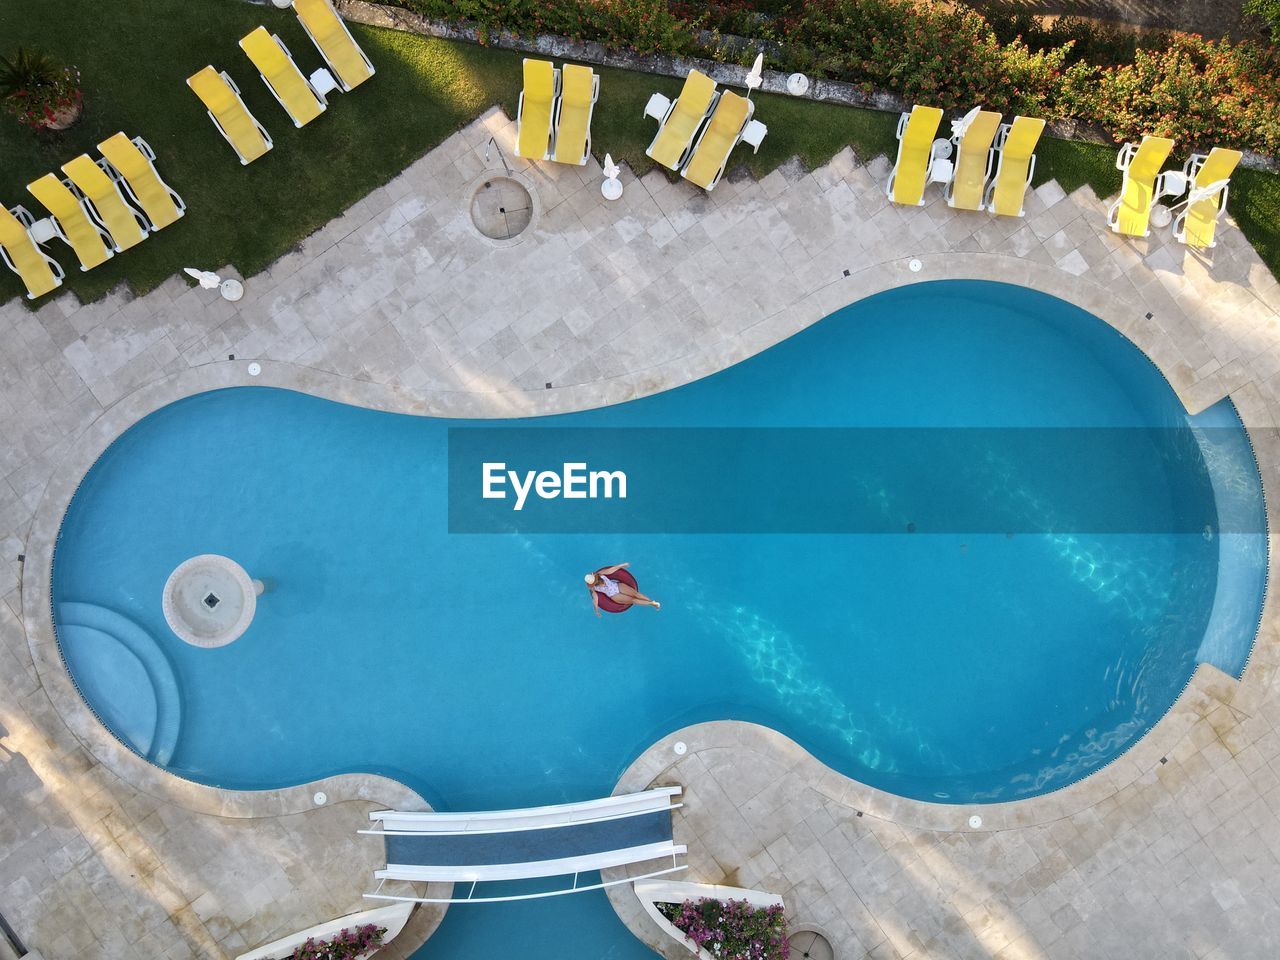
(134, 56)
(1074, 164)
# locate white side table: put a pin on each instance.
(322, 83)
(43, 230)
(1161, 216)
(657, 107)
(1174, 183)
(754, 133)
(941, 171)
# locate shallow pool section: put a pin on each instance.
(952, 667)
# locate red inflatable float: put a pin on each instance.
(610, 605)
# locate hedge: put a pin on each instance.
(1199, 91)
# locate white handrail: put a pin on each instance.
(530, 869)
(645, 801)
(529, 896)
(516, 827)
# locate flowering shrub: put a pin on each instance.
(1200, 92)
(643, 26)
(1094, 42)
(36, 90)
(945, 57)
(731, 929)
(346, 945)
(1268, 11)
(1196, 90)
(756, 19)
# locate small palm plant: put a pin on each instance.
(39, 91)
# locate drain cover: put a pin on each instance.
(501, 208)
(809, 945)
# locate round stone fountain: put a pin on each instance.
(210, 600)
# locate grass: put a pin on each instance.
(1075, 164)
(1254, 201)
(250, 215)
(425, 89)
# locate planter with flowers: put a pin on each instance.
(351, 943)
(40, 92)
(353, 937)
(717, 923)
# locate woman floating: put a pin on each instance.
(613, 589)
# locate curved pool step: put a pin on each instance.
(1241, 533)
(86, 623)
(116, 682)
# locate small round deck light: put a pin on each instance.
(975, 821)
(255, 368)
(915, 265)
(681, 748)
(320, 799)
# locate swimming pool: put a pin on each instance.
(953, 665)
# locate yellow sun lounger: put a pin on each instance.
(107, 204)
(1197, 217)
(282, 76)
(580, 87)
(537, 106)
(248, 138)
(134, 163)
(71, 220)
(730, 123)
(346, 60)
(678, 122)
(1143, 185)
(916, 131)
(1016, 144)
(21, 254)
(974, 160)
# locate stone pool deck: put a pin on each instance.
(1174, 851)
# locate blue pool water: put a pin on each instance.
(969, 665)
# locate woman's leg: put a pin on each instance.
(633, 595)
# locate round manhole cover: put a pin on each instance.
(809, 945)
(501, 208)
